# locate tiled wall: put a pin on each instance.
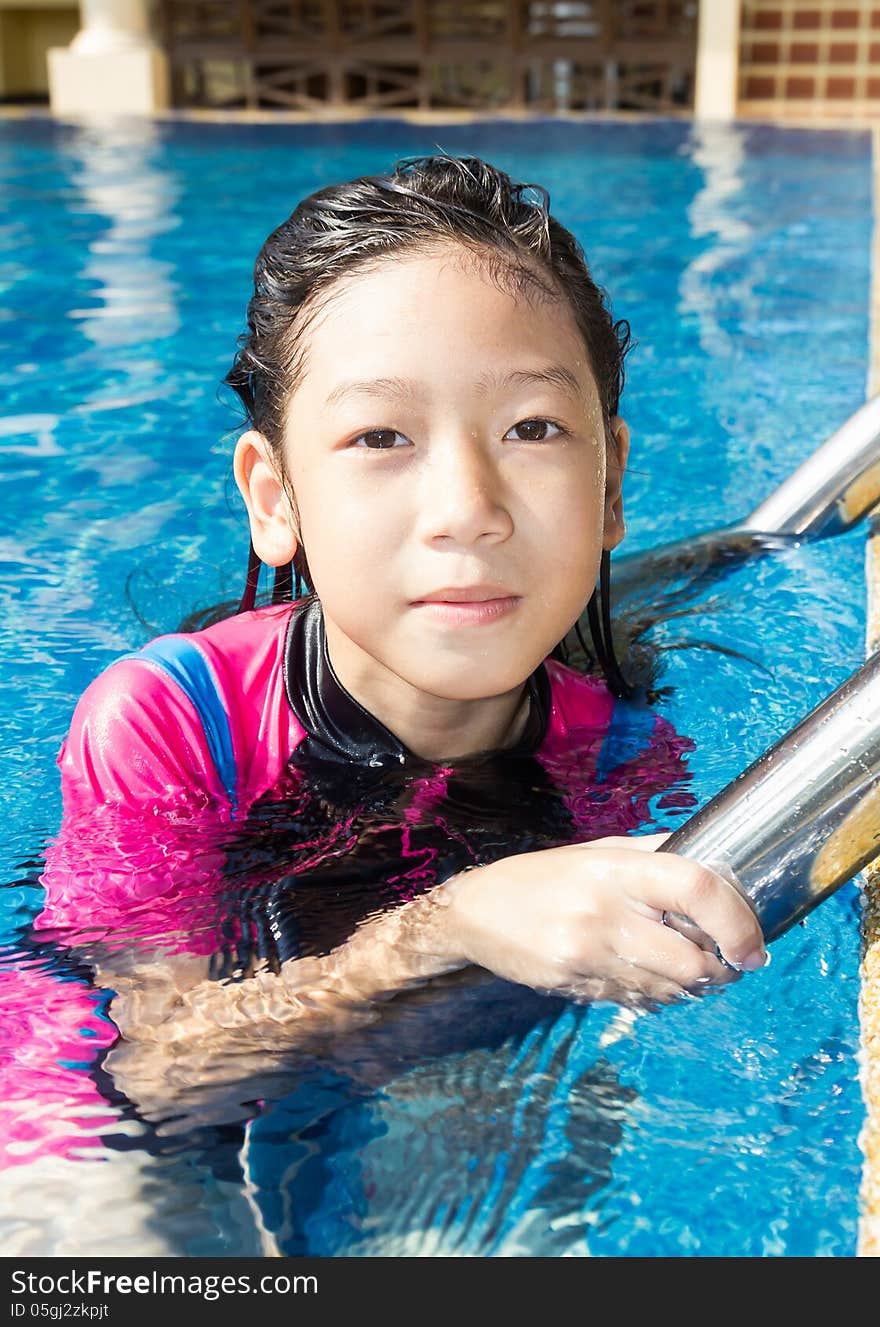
(820, 52)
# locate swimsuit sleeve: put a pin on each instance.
(136, 738)
(165, 748)
(641, 775)
(618, 764)
(144, 811)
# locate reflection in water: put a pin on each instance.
(132, 306)
(150, 925)
(719, 151)
(109, 307)
(118, 178)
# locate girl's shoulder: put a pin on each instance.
(190, 716)
(621, 762)
(262, 631)
(584, 709)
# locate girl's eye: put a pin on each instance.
(533, 430)
(527, 430)
(379, 439)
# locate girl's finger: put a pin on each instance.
(628, 985)
(665, 954)
(677, 884)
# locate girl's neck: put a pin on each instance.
(432, 727)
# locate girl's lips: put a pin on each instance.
(468, 614)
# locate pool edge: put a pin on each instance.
(869, 994)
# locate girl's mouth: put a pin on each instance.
(467, 613)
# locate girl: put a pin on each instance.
(432, 385)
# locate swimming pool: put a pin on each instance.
(727, 1126)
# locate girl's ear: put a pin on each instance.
(273, 527)
(615, 527)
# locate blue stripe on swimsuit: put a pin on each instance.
(185, 664)
(628, 735)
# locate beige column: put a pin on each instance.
(716, 92)
(112, 66)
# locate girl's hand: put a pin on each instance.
(586, 921)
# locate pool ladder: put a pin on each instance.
(804, 818)
(834, 489)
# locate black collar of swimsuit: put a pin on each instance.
(340, 728)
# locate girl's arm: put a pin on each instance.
(584, 921)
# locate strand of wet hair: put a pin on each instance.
(282, 586)
(599, 618)
(619, 684)
(249, 598)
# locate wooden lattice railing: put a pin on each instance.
(543, 54)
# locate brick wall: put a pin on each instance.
(821, 54)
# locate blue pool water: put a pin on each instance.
(724, 1127)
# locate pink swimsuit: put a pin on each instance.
(173, 749)
(138, 737)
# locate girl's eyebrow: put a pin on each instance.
(557, 375)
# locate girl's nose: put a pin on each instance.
(463, 496)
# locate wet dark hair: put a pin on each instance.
(424, 202)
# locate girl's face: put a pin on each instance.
(446, 438)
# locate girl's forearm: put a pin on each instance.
(188, 1043)
(399, 949)
(389, 954)
(309, 997)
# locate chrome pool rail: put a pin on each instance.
(834, 489)
(804, 818)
